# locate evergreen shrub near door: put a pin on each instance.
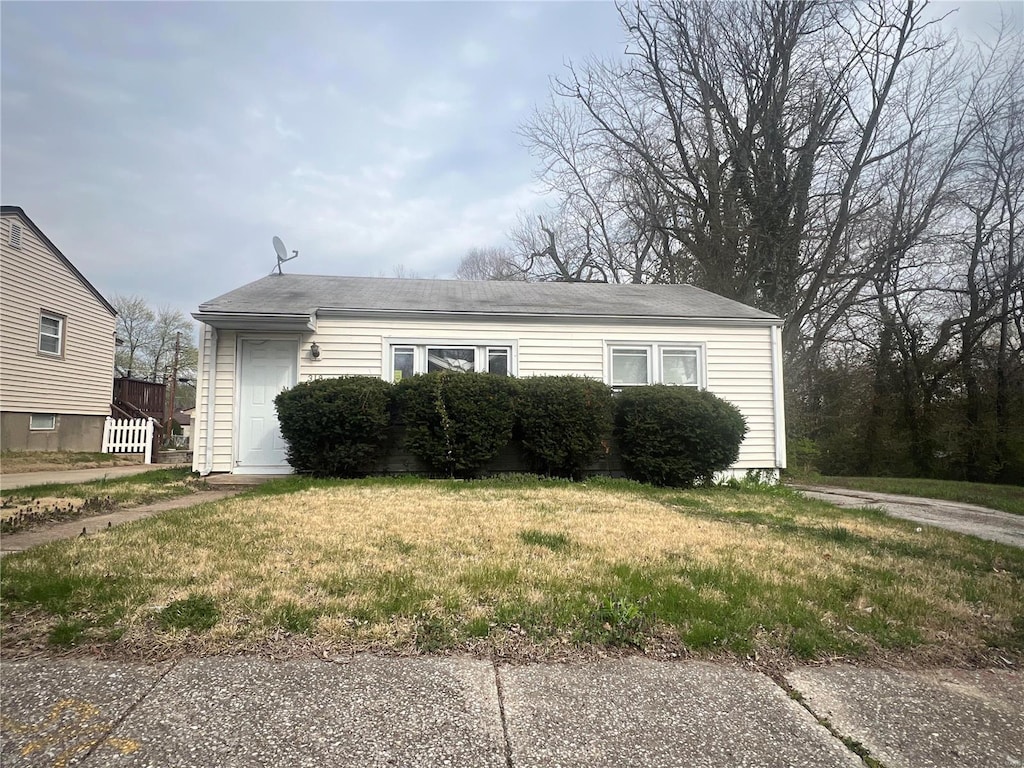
(456, 422)
(564, 422)
(676, 436)
(336, 427)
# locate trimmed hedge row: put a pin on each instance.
(456, 423)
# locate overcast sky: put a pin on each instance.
(162, 145)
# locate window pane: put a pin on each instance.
(403, 363)
(42, 421)
(497, 361)
(49, 325)
(680, 367)
(629, 367)
(49, 344)
(450, 359)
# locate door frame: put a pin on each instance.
(236, 453)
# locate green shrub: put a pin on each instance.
(336, 427)
(456, 422)
(563, 421)
(676, 436)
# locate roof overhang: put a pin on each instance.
(412, 314)
(252, 321)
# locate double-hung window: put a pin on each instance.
(51, 333)
(631, 366)
(634, 365)
(680, 366)
(408, 359)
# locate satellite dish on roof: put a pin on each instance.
(282, 254)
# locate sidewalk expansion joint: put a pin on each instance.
(117, 724)
(501, 713)
(851, 744)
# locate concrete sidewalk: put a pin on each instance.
(369, 711)
(24, 479)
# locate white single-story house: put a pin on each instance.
(283, 329)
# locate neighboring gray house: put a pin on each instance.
(56, 345)
(283, 329)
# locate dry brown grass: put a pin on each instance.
(436, 566)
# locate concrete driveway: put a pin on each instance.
(985, 523)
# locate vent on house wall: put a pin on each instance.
(15, 237)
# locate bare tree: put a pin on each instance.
(135, 322)
(488, 264)
(749, 137)
(147, 339)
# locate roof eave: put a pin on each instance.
(767, 320)
(17, 210)
(257, 321)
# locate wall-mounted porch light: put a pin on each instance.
(314, 351)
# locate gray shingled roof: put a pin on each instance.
(308, 294)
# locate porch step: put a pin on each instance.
(227, 480)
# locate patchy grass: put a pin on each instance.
(523, 569)
(23, 508)
(1008, 498)
(37, 461)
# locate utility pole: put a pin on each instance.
(174, 387)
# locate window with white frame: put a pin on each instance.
(51, 333)
(631, 366)
(634, 365)
(680, 366)
(42, 421)
(410, 359)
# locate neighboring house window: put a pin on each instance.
(14, 238)
(635, 366)
(41, 421)
(51, 334)
(410, 359)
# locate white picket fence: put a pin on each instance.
(129, 436)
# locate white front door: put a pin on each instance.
(267, 367)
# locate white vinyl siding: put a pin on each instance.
(737, 361)
(80, 379)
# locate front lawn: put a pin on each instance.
(1008, 498)
(522, 569)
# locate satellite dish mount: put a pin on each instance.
(282, 254)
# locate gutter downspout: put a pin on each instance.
(211, 381)
(778, 398)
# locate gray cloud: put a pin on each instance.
(161, 145)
